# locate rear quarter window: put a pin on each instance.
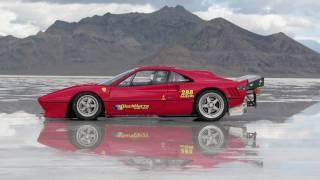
(177, 78)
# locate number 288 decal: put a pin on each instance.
(186, 93)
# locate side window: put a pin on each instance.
(176, 78)
(126, 82)
(146, 78)
(143, 78)
(160, 77)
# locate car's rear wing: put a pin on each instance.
(253, 81)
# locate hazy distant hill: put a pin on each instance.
(104, 45)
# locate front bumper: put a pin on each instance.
(54, 110)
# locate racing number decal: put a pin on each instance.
(186, 93)
(186, 149)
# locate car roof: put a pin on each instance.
(193, 74)
(157, 68)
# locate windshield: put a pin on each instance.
(117, 77)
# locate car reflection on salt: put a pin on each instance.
(155, 145)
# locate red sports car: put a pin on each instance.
(155, 90)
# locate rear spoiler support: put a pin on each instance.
(251, 98)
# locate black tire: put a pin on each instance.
(201, 113)
(96, 112)
(76, 138)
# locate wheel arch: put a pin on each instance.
(71, 114)
(205, 89)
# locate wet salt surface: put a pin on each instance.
(32, 147)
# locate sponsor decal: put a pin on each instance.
(186, 93)
(132, 106)
(131, 135)
(186, 149)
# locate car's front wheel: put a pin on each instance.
(86, 136)
(87, 106)
(211, 105)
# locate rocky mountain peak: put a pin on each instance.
(176, 9)
(280, 35)
(60, 26)
(178, 12)
(220, 20)
(171, 35)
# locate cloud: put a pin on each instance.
(190, 4)
(8, 26)
(259, 23)
(302, 7)
(25, 18)
(305, 7)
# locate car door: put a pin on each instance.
(180, 95)
(141, 94)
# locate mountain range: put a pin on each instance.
(108, 44)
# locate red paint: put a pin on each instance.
(162, 99)
(158, 141)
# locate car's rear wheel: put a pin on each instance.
(210, 139)
(87, 106)
(211, 105)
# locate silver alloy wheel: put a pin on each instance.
(211, 105)
(211, 138)
(87, 105)
(87, 136)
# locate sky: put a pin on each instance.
(299, 19)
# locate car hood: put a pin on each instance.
(65, 94)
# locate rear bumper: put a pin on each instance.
(249, 101)
(239, 110)
(254, 82)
